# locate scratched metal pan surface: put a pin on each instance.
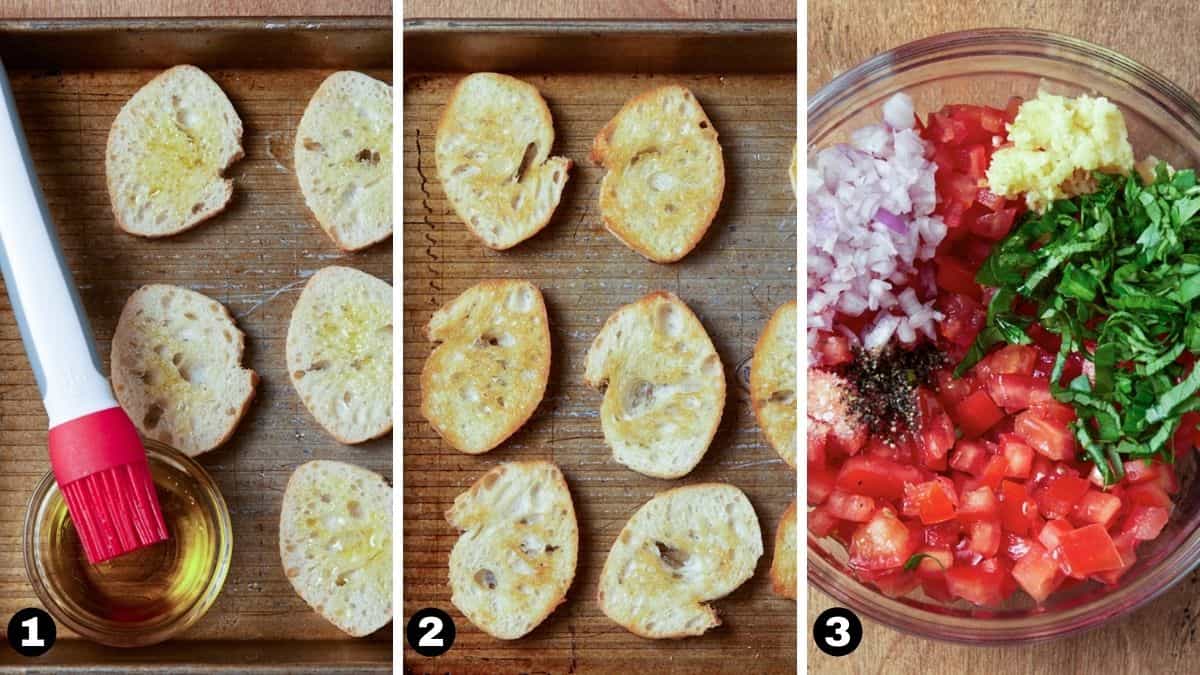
(70, 79)
(743, 269)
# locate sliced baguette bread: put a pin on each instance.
(493, 159)
(339, 353)
(680, 550)
(773, 382)
(335, 541)
(663, 382)
(784, 575)
(665, 173)
(515, 559)
(177, 368)
(343, 159)
(488, 372)
(168, 149)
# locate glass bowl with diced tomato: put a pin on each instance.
(987, 524)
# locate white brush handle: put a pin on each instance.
(53, 326)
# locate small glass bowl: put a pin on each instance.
(987, 67)
(146, 596)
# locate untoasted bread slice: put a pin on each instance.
(489, 369)
(680, 550)
(339, 353)
(167, 152)
(783, 567)
(335, 541)
(516, 556)
(343, 159)
(773, 382)
(177, 368)
(665, 173)
(663, 382)
(493, 158)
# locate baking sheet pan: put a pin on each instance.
(745, 77)
(70, 78)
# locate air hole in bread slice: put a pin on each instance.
(671, 556)
(785, 396)
(486, 579)
(668, 320)
(531, 151)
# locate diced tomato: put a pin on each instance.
(896, 584)
(993, 471)
(848, 443)
(994, 225)
(1015, 392)
(1140, 470)
(1014, 105)
(1059, 494)
(1096, 507)
(950, 389)
(978, 504)
(1147, 494)
(820, 485)
(1017, 510)
(1088, 550)
(1167, 479)
(834, 350)
(1125, 544)
(1014, 546)
(990, 199)
(1053, 411)
(877, 477)
(1013, 360)
(821, 522)
(1145, 523)
(969, 456)
(1052, 532)
(955, 276)
(852, 507)
(992, 120)
(974, 162)
(981, 584)
(937, 430)
(934, 560)
(932, 501)
(1038, 573)
(881, 543)
(1018, 456)
(1047, 438)
(962, 318)
(977, 413)
(983, 537)
(944, 534)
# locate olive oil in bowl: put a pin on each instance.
(150, 594)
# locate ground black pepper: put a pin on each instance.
(885, 386)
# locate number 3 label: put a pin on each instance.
(31, 632)
(430, 632)
(837, 631)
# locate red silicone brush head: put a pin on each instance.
(100, 465)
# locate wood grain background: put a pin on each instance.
(81, 9)
(734, 280)
(1162, 637)
(608, 9)
(254, 258)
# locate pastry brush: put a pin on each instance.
(96, 454)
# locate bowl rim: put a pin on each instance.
(135, 635)
(1034, 43)
(983, 40)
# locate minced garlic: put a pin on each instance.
(1056, 142)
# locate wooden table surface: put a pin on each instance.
(610, 9)
(1160, 638)
(81, 9)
